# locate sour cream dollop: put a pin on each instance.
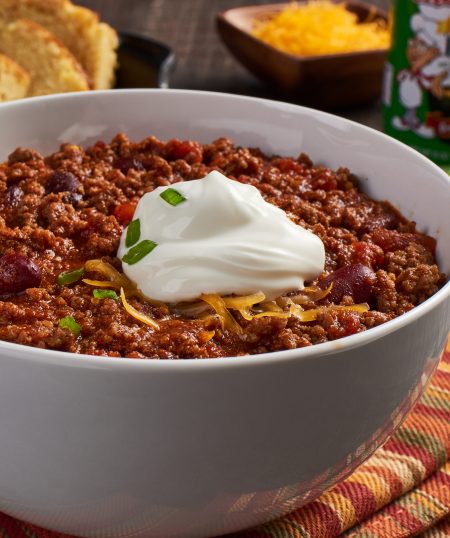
(223, 238)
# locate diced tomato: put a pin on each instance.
(350, 323)
(324, 179)
(368, 254)
(391, 240)
(384, 220)
(288, 165)
(124, 213)
(188, 150)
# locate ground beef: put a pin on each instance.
(59, 211)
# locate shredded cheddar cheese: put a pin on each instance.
(311, 293)
(226, 319)
(102, 283)
(212, 305)
(115, 280)
(140, 316)
(321, 27)
(244, 300)
(206, 336)
(271, 306)
(268, 313)
(312, 314)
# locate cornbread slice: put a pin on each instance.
(51, 66)
(93, 43)
(14, 80)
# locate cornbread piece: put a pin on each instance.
(51, 66)
(14, 80)
(93, 43)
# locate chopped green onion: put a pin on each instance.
(133, 233)
(69, 277)
(137, 252)
(69, 323)
(172, 197)
(105, 294)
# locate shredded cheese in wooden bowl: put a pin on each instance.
(321, 27)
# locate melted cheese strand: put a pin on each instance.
(102, 283)
(311, 293)
(117, 280)
(226, 319)
(283, 315)
(242, 304)
(135, 313)
(312, 314)
(243, 301)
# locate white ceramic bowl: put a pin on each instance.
(114, 448)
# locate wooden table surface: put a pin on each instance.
(188, 26)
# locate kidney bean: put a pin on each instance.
(17, 273)
(13, 196)
(62, 181)
(126, 163)
(355, 280)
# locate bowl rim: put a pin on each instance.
(222, 16)
(55, 357)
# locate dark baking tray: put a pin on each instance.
(143, 62)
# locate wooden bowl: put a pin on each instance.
(328, 81)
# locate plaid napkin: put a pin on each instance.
(403, 490)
